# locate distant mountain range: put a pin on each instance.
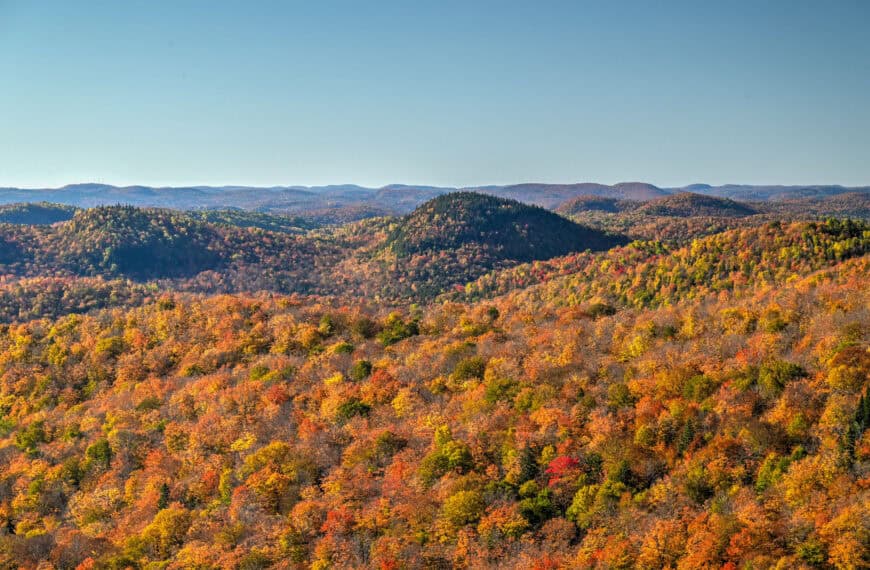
(348, 201)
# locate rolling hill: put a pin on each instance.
(154, 244)
(40, 213)
(589, 203)
(688, 204)
(764, 193)
(551, 195)
(448, 242)
(134, 242)
(506, 228)
(848, 204)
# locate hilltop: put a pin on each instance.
(450, 241)
(688, 204)
(507, 228)
(849, 204)
(153, 244)
(551, 195)
(651, 273)
(681, 205)
(590, 203)
(40, 213)
(135, 242)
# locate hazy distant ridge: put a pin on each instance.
(393, 198)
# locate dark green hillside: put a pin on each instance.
(115, 242)
(687, 204)
(507, 228)
(582, 204)
(41, 213)
(135, 242)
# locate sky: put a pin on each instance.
(452, 93)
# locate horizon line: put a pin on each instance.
(419, 185)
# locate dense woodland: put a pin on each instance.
(447, 242)
(685, 216)
(680, 383)
(35, 213)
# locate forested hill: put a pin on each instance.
(649, 273)
(687, 204)
(155, 244)
(466, 247)
(588, 203)
(507, 228)
(134, 242)
(452, 240)
(682, 205)
(41, 213)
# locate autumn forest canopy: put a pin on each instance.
(531, 376)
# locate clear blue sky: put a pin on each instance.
(442, 92)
